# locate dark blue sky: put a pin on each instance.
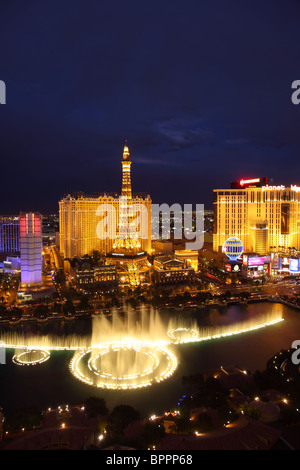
(201, 90)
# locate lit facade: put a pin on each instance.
(169, 270)
(190, 257)
(85, 273)
(78, 224)
(31, 248)
(9, 234)
(262, 216)
(79, 219)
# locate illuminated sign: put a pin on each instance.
(273, 188)
(248, 182)
(280, 187)
(291, 265)
(284, 264)
(294, 265)
(232, 268)
(257, 260)
(254, 180)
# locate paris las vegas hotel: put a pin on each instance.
(265, 217)
(78, 218)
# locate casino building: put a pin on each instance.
(9, 234)
(263, 216)
(79, 218)
(31, 248)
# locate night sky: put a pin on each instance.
(201, 90)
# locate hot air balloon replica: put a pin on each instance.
(233, 248)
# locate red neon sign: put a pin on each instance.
(254, 180)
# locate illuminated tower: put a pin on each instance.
(126, 239)
(31, 248)
(126, 178)
(127, 248)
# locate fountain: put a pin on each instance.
(30, 357)
(131, 349)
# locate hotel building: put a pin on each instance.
(263, 216)
(169, 270)
(79, 219)
(31, 248)
(9, 234)
(90, 275)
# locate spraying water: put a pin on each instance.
(130, 349)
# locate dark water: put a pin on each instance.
(51, 384)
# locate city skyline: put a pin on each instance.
(150, 227)
(202, 92)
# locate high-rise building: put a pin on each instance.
(262, 216)
(9, 234)
(31, 248)
(79, 218)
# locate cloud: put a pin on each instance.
(236, 141)
(182, 134)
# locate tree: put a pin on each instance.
(211, 393)
(95, 406)
(244, 295)
(115, 301)
(96, 255)
(203, 423)
(23, 418)
(121, 416)
(57, 307)
(69, 307)
(182, 425)
(84, 302)
(41, 311)
(187, 296)
(152, 433)
(226, 414)
(252, 412)
(16, 312)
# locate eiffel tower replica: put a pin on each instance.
(127, 250)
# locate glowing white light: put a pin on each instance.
(121, 354)
(30, 357)
(183, 335)
(154, 363)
